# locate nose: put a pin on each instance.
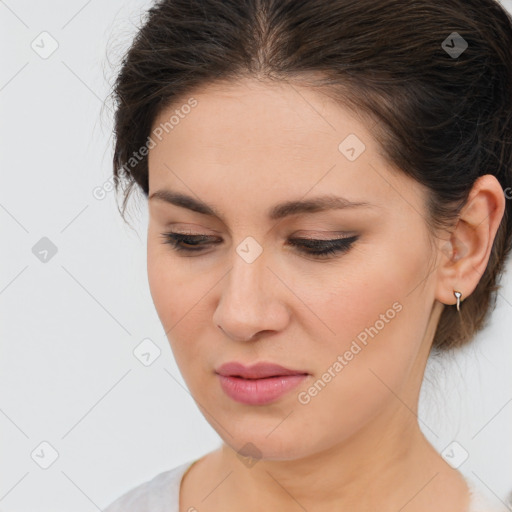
(252, 300)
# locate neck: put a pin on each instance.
(359, 474)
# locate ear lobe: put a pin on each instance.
(464, 257)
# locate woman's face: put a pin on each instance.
(354, 323)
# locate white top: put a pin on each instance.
(161, 494)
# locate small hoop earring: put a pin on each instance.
(458, 295)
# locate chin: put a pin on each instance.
(251, 440)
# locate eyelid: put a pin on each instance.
(324, 235)
(316, 248)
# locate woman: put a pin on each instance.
(327, 185)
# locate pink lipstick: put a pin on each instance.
(258, 384)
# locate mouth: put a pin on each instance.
(259, 384)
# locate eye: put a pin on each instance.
(311, 246)
(323, 248)
(187, 243)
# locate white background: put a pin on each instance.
(69, 326)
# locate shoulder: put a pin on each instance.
(159, 494)
(479, 502)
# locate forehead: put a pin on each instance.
(279, 117)
(249, 142)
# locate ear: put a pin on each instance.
(465, 255)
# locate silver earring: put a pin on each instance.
(458, 295)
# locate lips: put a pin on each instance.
(256, 371)
(259, 384)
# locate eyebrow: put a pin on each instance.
(279, 211)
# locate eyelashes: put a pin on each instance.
(320, 248)
(317, 248)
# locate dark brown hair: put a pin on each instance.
(443, 119)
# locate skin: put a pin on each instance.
(357, 445)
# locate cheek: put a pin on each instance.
(163, 282)
(349, 303)
(369, 296)
(375, 323)
(174, 286)
(349, 392)
(171, 291)
(180, 299)
(355, 370)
